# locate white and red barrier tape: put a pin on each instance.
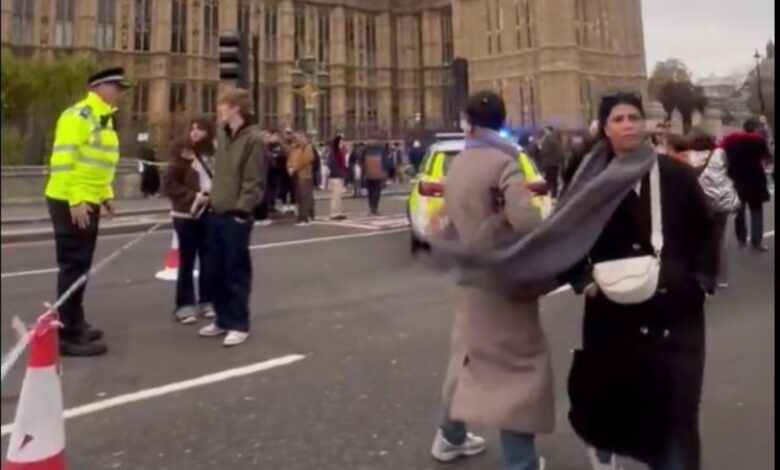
(10, 358)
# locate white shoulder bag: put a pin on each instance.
(635, 280)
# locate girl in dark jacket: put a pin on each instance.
(187, 184)
(636, 384)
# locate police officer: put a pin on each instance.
(81, 173)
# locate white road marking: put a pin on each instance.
(173, 388)
(374, 233)
(29, 273)
(263, 246)
(333, 238)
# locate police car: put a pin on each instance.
(426, 199)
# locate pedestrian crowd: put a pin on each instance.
(638, 230)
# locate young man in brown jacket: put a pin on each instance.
(239, 182)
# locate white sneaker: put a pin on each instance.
(302, 224)
(207, 311)
(211, 331)
(264, 223)
(186, 315)
(443, 451)
(234, 338)
(596, 464)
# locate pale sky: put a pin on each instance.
(709, 36)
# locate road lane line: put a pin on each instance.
(174, 387)
(333, 238)
(265, 246)
(262, 246)
(29, 273)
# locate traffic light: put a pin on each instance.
(460, 81)
(233, 58)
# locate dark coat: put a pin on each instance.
(746, 154)
(551, 153)
(636, 383)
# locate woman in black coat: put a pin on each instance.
(636, 383)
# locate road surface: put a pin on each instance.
(362, 334)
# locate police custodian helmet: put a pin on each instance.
(115, 75)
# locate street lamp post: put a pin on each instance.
(761, 103)
(307, 79)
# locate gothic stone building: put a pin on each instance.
(382, 65)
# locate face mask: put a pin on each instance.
(465, 126)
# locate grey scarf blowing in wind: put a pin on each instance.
(536, 260)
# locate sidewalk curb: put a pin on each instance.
(46, 234)
(155, 211)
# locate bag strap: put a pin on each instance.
(205, 166)
(703, 168)
(657, 234)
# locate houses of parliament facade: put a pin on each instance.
(383, 66)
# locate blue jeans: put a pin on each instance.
(518, 451)
(231, 270)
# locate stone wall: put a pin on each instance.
(24, 185)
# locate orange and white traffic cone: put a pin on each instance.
(170, 271)
(38, 434)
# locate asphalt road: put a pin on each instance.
(374, 327)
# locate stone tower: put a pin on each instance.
(551, 59)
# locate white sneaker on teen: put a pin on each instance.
(207, 311)
(443, 451)
(234, 338)
(597, 464)
(264, 223)
(211, 331)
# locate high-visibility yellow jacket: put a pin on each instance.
(85, 153)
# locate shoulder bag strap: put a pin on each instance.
(205, 166)
(656, 215)
(706, 164)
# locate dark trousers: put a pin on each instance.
(756, 224)
(193, 245)
(75, 248)
(285, 186)
(304, 193)
(374, 188)
(551, 175)
(231, 269)
(272, 191)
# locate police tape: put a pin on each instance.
(10, 358)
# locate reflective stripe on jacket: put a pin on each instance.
(85, 153)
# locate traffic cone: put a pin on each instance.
(170, 271)
(38, 436)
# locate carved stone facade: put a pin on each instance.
(383, 63)
(552, 59)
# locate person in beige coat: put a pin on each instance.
(500, 372)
